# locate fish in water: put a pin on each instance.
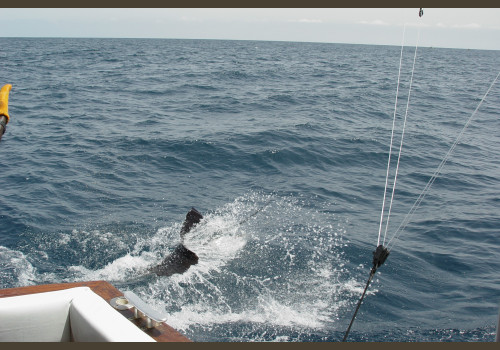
(181, 259)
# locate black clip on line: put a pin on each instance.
(379, 256)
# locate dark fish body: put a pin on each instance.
(177, 262)
(181, 259)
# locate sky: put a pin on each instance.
(451, 28)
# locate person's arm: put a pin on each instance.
(4, 108)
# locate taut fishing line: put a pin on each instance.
(401, 143)
(433, 178)
(392, 138)
(381, 253)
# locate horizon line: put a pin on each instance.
(216, 39)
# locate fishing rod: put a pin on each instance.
(4, 108)
(381, 252)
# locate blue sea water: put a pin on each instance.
(283, 147)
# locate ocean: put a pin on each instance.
(283, 147)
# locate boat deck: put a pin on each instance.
(161, 333)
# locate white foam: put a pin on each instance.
(118, 270)
(15, 269)
(279, 264)
(309, 298)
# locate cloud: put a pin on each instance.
(307, 20)
(459, 26)
(467, 26)
(416, 24)
(376, 22)
(189, 19)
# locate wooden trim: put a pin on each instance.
(162, 333)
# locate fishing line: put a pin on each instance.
(402, 137)
(427, 187)
(381, 253)
(392, 138)
(256, 211)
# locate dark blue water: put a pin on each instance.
(112, 141)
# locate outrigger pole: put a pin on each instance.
(4, 108)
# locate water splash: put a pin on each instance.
(265, 261)
(284, 267)
(15, 270)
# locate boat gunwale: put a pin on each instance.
(161, 333)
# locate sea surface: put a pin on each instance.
(283, 147)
